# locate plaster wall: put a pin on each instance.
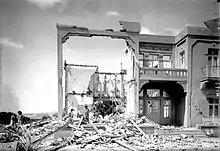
(199, 103)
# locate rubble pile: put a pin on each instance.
(5, 118)
(114, 132)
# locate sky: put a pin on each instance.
(28, 40)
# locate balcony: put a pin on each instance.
(211, 72)
(163, 74)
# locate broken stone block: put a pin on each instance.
(183, 136)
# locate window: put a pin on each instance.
(213, 106)
(213, 62)
(182, 59)
(155, 106)
(212, 51)
(166, 109)
(141, 58)
(212, 57)
(153, 93)
(165, 94)
(166, 62)
(152, 61)
(150, 107)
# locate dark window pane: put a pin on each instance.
(215, 61)
(209, 61)
(216, 101)
(216, 110)
(210, 110)
(210, 100)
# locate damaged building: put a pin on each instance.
(170, 79)
(179, 75)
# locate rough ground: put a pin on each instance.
(111, 133)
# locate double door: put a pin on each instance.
(158, 110)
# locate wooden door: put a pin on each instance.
(152, 109)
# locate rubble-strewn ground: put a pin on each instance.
(111, 133)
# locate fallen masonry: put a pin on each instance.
(112, 133)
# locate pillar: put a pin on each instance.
(133, 30)
(60, 74)
(66, 87)
(137, 76)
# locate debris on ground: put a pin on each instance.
(113, 132)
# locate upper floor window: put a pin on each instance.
(212, 57)
(182, 59)
(166, 61)
(213, 51)
(153, 61)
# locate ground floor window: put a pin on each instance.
(166, 109)
(213, 106)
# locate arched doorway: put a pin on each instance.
(164, 102)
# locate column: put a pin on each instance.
(60, 74)
(137, 76)
(66, 86)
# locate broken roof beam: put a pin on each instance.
(69, 30)
(79, 65)
(109, 73)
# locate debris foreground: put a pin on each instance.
(112, 133)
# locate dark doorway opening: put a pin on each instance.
(164, 102)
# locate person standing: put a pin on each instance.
(20, 118)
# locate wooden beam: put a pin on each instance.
(79, 65)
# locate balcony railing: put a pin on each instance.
(211, 71)
(163, 73)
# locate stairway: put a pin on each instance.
(189, 132)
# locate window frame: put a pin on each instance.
(167, 63)
(213, 107)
